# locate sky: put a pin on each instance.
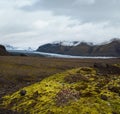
(31, 23)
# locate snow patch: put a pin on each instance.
(67, 43)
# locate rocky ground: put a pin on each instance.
(19, 72)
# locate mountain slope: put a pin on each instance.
(3, 51)
(54, 48)
(83, 49)
(110, 49)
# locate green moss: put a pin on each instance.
(81, 97)
(118, 65)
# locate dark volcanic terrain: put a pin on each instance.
(17, 72)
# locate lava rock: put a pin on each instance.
(101, 65)
(114, 89)
(23, 92)
(104, 97)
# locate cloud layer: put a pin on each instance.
(32, 23)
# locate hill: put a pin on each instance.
(3, 51)
(82, 90)
(83, 49)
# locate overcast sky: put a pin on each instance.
(30, 23)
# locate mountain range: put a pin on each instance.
(111, 48)
(75, 48)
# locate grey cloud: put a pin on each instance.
(85, 10)
(27, 23)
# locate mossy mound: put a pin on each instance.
(77, 91)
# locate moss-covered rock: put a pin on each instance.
(68, 93)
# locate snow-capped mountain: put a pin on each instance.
(111, 48)
(9, 47)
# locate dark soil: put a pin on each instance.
(5, 111)
(107, 69)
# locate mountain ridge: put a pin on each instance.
(112, 48)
